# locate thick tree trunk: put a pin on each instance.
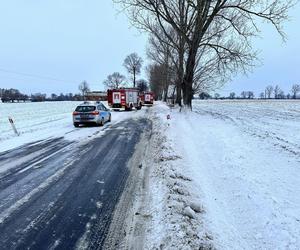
(180, 74)
(187, 85)
(191, 61)
(165, 95)
(178, 94)
(181, 51)
(166, 85)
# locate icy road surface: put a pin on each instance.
(61, 193)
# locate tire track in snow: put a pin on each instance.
(20, 164)
(249, 126)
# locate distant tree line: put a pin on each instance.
(14, 95)
(132, 63)
(270, 92)
(277, 93)
(64, 97)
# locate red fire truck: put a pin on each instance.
(147, 98)
(124, 99)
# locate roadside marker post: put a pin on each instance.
(11, 121)
(168, 118)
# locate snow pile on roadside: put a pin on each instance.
(234, 162)
(175, 209)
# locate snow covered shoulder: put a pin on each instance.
(224, 176)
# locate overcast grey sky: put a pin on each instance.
(70, 40)
(75, 40)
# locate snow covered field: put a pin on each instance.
(34, 117)
(240, 160)
(38, 121)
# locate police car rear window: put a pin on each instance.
(85, 108)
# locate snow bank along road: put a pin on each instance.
(61, 192)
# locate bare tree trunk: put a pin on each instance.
(181, 51)
(167, 71)
(165, 94)
(191, 62)
(188, 79)
(166, 85)
(134, 77)
(180, 73)
(178, 93)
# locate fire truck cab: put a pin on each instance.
(124, 99)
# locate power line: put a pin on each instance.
(34, 75)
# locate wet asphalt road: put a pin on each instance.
(58, 194)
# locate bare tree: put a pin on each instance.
(225, 26)
(217, 96)
(232, 95)
(142, 85)
(115, 80)
(173, 45)
(281, 94)
(247, 94)
(212, 71)
(161, 53)
(250, 94)
(157, 78)
(277, 91)
(244, 94)
(84, 88)
(268, 91)
(133, 64)
(262, 95)
(295, 90)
